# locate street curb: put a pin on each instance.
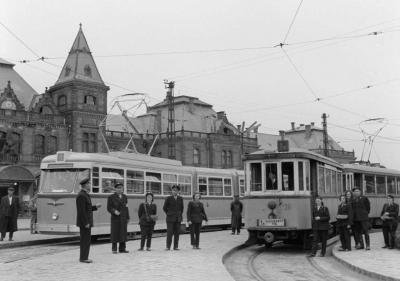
(360, 270)
(38, 242)
(233, 250)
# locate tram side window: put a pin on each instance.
(380, 185)
(321, 179)
(215, 186)
(328, 181)
(287, 176)
(110, 177)
(185, 183)
(227, 187)
(271, 172)
(153, 182)
(203, 185)
(340, 183)
(241, 187)
(369, 184)
(398, 185)
(301, 176)
(168, 181)
(307, 175)
(95, 180)
(391, 184)
(335, 189)
(134, 182)
(255, 177)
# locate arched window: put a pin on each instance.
(62, 100)
(196, 156)
(46, 110)
(52, 147)
(90, 100)
(39, 144)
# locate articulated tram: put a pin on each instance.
(139, 173)
(281, 187)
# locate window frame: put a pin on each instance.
(223, 178)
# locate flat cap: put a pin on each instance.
(176, 187)
(84, 181)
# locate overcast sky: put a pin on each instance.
(251, 83)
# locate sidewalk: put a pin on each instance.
(186, 264)
(380, 264)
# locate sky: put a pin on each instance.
(340, 57)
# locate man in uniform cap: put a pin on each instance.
(173, 208)
(9, 207)
(84, 219)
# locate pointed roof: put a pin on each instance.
(80, 64)
(9, 77)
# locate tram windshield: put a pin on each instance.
(62, 180)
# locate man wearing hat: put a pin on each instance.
(173, 208)
(389, 214)
(84, 219)
(9, 207)
(117, 207)
(361, 208)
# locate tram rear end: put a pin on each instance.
(280, 191)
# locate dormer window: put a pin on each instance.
(90, 100)
(87, 70)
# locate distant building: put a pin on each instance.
(307, 137)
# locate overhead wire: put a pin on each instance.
(293, 20)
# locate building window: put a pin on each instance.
(46, 110)
(3, 139)
(90, 100)
(87, 70)
(39, 144)
(229, 159)
(52, 147)
(196, 156)
(62, 100)
(89, 142)
(223, 158)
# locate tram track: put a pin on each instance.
(284, 262)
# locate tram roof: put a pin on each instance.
(369, 169)
(293, 153)
(111, 157)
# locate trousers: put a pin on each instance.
(389, 233)
(7, 226)
(362, 227)
(195, 234)
(146, 233)
(173, 229)
(85, 235)
(344, 234)
(319, 235)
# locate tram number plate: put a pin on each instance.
(271, 222)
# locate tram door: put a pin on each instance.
(358, 181)
(348, 181)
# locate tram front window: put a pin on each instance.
(62, 180)
(271, 171)
(287, 176)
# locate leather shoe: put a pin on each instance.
(311, 255)
(176, 249)
(391, 248)
(124, 252)
(86, 261)
(114, 252)
(367, 248)
(322, 255)
(384, 247)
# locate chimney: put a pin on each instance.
(239, 127)
(301, 125)
(308, 131)
(282, 134)
(312, 124)
(293, 126)
(221, 115)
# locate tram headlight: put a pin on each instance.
(54, 216)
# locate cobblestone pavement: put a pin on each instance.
(186, 264)
(382, 262)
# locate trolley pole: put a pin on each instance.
(325, 135)
(169, 85)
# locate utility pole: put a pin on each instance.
(325, 135)
(169, 85)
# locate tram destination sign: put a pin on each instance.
(271, 222)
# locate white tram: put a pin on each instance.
(281, 187)
(139, 173)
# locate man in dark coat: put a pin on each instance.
(9, 207)
(344, 220)
(117, 207)
(389, 214)
(236, 219)
(173, 208)
(84, 219)
(361, 209)
(320, 226)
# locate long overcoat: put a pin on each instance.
(236, 210)
(324, 217)
(119, 223)
(361, 208)
(173, 208)
(84, 209)
(11, 211)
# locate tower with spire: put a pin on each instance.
(81, 96)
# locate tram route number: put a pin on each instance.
(271, 222)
